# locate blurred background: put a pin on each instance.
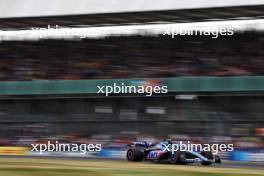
(48, 85)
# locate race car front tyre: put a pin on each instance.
(217, 159)
(135, 155)
(206, 163)
(207, 154)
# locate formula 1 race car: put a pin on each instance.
(139, 151)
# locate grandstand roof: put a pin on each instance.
(145, 17)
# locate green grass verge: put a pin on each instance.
(60, 167)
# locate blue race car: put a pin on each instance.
(139, 151)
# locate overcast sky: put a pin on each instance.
(24, 8)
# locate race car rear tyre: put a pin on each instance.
(135, 155)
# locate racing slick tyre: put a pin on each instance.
(206, 163)
(218, 159)
(178, 158)
(135, 155)
(207, 154)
